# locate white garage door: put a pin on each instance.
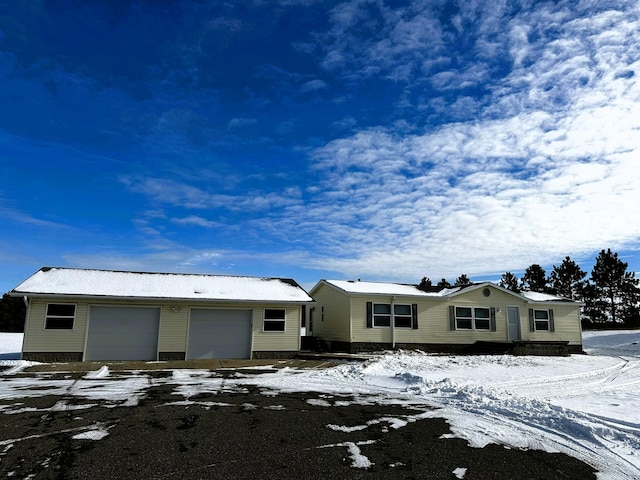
(219, 334)
(123, 333)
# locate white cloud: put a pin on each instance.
(313, 86)
(548, 169)
(195, 220)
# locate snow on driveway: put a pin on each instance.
(586, 406)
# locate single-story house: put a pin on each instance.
(355, 316)
(83, 314)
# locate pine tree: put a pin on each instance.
(614, 295)
(567, 280)
(425, 284)
(462, 281)
(443, 283)
(534, 279)
(509, 281)
(12, 314)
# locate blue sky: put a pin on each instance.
(381, 140)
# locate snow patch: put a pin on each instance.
(100, 373)
(460, 472)
(95, 434)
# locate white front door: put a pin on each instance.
(513, 323)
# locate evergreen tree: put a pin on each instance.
(443, 284)
(425, 284)
(567, 280)
(462, 280)
(509, 281)
(12, 314)
(534, 279)
(614, 295)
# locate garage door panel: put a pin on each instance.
(123, 333)
(219, 334)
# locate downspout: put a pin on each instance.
(25, 299)
(393, 322)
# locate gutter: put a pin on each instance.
(79, 297)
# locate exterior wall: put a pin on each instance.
(566, 321)
(497, 299)
(333, 324)
(37, 339)
(287, 341)
(68, 345)
(434, 325)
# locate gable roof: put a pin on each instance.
(351, 287)
(122, 284)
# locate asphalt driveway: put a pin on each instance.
(247, 434)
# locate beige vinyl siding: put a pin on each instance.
(475, 298)
(336, 323)
(286, 341)
(37, 339)
(566, 319)
(359, 330)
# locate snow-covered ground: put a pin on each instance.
(587, 406)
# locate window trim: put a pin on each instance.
(411, 316)
(274, 321)
(48, 316)
(473, 319)
(533, 321)
(382, 315)
(408, 316)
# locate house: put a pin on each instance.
(82, 314)
(355, 316)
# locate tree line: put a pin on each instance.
(610, 295)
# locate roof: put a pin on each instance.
(378, 288)
(119, 284)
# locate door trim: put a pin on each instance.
(519, 336)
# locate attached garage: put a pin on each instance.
(219, 333)
(123, 333)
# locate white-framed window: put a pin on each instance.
(541, 320)
(472, 318)
(402, 316)
(274, 320)
(60, 316)
(381, 315)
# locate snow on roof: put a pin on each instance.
(379, 288)
(70, 281)
(543, 297)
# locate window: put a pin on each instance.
(541, 320)
(274, 320)
(60, 316)
(381, 315)
(482, 318)
(473, 318)
(402, 316)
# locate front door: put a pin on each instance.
(513, 323)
